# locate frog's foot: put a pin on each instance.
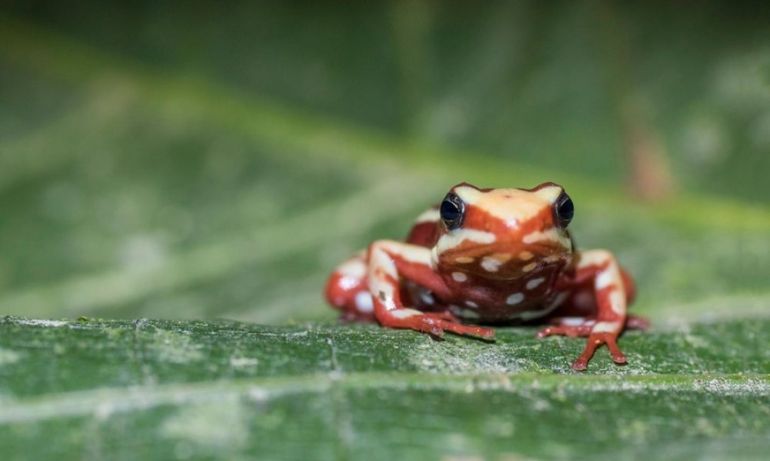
(433, 323)
(635, 322)
(597, 333)
(595, 340)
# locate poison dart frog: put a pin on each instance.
(491, 256)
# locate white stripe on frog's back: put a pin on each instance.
(428, 216)
(510, 205)
(455, 238)
(553, 234)
(408, 252)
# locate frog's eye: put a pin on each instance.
(452, 211)
(563, 210)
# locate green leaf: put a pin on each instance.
(147, 389)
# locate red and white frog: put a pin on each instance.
(491, 256)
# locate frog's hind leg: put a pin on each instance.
(348, 291)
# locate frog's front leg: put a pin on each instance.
(391, 261)
(600, 268)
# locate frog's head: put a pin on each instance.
(504, 233)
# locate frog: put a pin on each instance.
(486, 257)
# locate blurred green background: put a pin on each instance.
(201, 160)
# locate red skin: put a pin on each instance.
(553, 283)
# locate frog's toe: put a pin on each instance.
(433, 323)
(617, 355)
(595, 340)
(580, 364)
(469, 330)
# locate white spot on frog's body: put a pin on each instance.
(529, 267)
(605, 279)
(493, 262)
(364, 302)
(514, 299)
(490, 264)
(427, 297)
(471, 304)
(534, 283)
(525, 255)
(463, 313)
(459, 277)
(346, 283)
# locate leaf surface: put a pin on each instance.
(228, 390)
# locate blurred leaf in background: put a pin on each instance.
(181, 161)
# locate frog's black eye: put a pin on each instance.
(563, 210)
(452, 211)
